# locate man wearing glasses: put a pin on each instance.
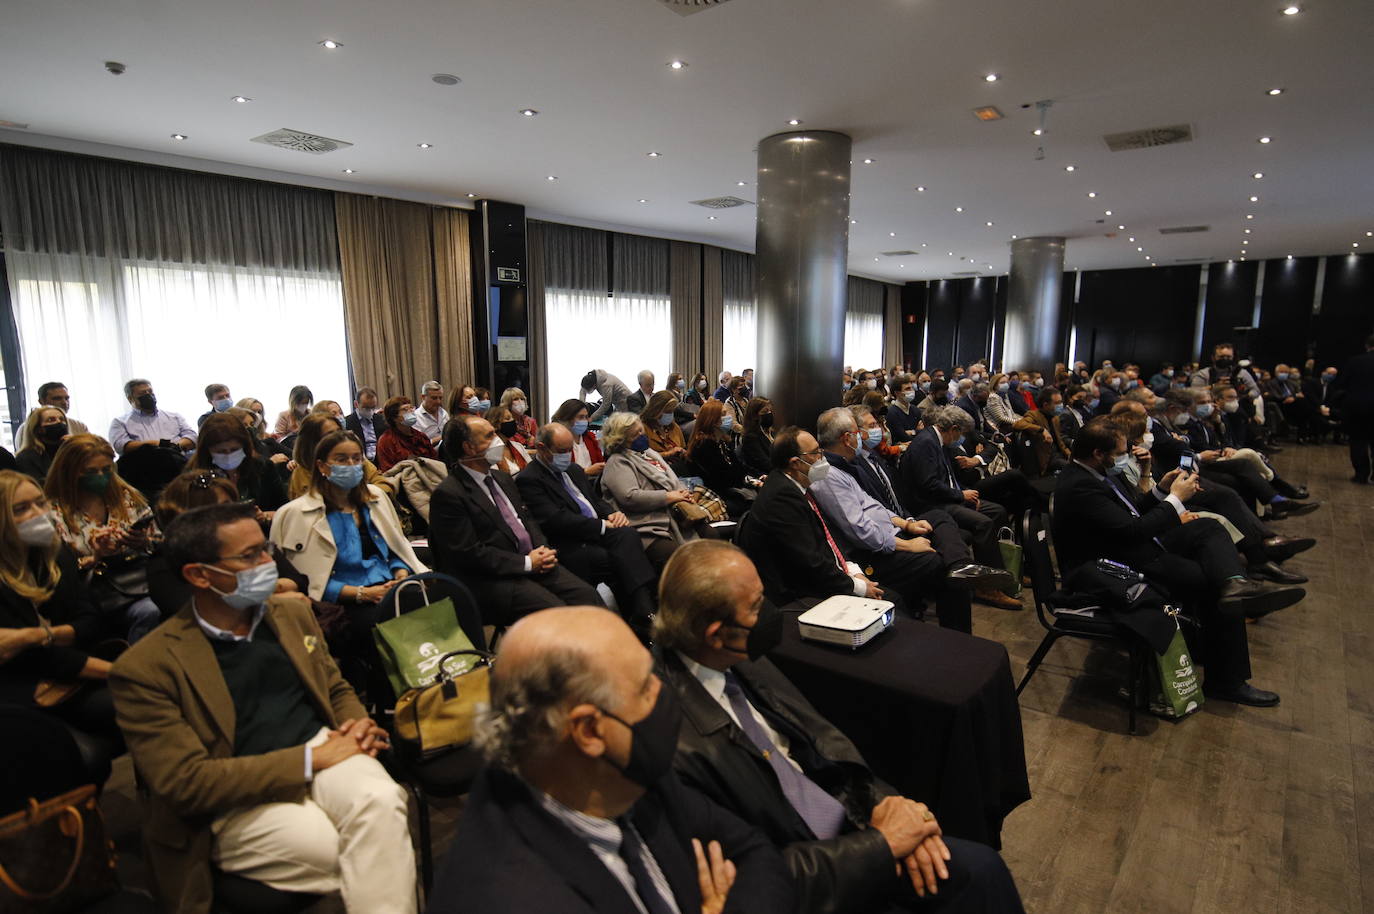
(258, 758)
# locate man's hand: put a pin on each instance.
(1228, 453)
(971, 496)
(926, 864)
(1184, 487)
(1187, 517)
(872, 590)
(1049, 439)
(1141, 454)
(340, 747)
(1208, 456)
(967, 463)
(904, 825)
(919, 527)
(715, 876)
(1169, 478)
(617, 520)
(918, 545)
(543, 559)
(371, 738)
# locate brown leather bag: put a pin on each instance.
(55, 856)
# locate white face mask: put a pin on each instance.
(518, 407)
(818, 471)
(495, 451)
(37, 531)
(1147, 440)
(871, 383)
(1230, 405)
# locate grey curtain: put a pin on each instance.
(685, 291)
(538, 339)
(640, 265)
(892, 326)
(713, 311)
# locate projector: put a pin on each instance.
(849, 622)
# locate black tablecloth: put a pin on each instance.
(934, 713)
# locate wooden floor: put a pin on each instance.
(1233, 810)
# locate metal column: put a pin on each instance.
(1033, 337)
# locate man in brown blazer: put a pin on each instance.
(1051, 454)
(256, 754)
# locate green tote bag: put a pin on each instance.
(411, 645)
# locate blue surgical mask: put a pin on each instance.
(252, 586)
(472, 403)
(1328, 377)
(958, 442)
(223, 404)
(640, 443)
(909, 396)
(1204, 410)
(410, 419)
(229, 461)
(872, 438)
(727, 422)
(561, 462)
(1094, 402)
(665, 420)
(1282, 376)
(579, 428)
(346, 475)
(1119, 465)
(925, 386)
(483, 405)
(1059, 410)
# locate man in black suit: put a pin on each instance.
(366, 421)
(787, 537)
(595, 543)
(1191, 557)
(1356, 386)
(928, 479)
(1324, 395)
(636, 401)
(482, 533)
(579, 811)
(755, 745)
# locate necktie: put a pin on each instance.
(1130, 506)
(632, 852)
(839, 556)
(894, 504)
(823, 813)
(577, 496)
(522, 536)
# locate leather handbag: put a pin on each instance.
(439, 718)
(55, 856)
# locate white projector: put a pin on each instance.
(847, 621)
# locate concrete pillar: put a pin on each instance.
(801, 271)
(1034, 332)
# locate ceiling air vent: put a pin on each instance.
(300, 141)
(1184, 229)
(1193, 260)
(969, 273)
(720, 202)
(688, 7)
(901, 253)
(1152, 136)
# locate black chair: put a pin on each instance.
(1089, 623)
(450, 774)
(237, 895)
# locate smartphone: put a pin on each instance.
(1186, 463)
(143, 523)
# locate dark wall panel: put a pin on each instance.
(913, 322)
(1285, 327)
(942, 322)
(1142, 315)
(1347, 314)
(999, 323)
(975, 318)
(1230, 302)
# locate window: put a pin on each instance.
(863, 324)
(741, 312)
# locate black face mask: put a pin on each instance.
(507, 428)
(653, 740)
(53, 433)
(147, 402)
(766, 633)
(940, 398)
(766, 421)
(1223, 364)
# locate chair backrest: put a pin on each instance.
(1035, 542)
(435, 586)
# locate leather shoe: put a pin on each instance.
(1360, 480)
(1290, 508)
(979, 577)
(1256, 599)
(1283, 548)
(1300, 492)
(1270, 571)
(1242, 694)
(996, 598)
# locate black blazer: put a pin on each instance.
(510, 856)
(785, 539)
(70, 604)
(1106, 399)
(850, 872)
(1168, 447)
(869, 473)
(719, 468)
(1356, 383)
(1203, 436)
(1091, 523)
(556, 511)
(756, 453)
(469, 537)
(924, 474)
(355, 425)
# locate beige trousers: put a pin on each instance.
(350, 835)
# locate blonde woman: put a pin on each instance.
(514, 399)
(43, 433)
(642, 484)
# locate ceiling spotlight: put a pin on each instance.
(901, 266)
(1249, 215)
(1369, 234)
(989, 224)
(1266, 140)
(1276, 91)
(1131, 239)
(330, 44)
(1254, 199)
(642, 200)
(425, 145)
(178, 137)
(1121, 228)
(1070, 167)
(924, 245)
(920, 188)
(868, 161)
(1247, 231)
(445, 79)
(1291, 10)
(1246, 241)
(795, 122)
(528, 112)
(711, 218)
(654, 155)
(991, 77)
(1257, 175)
(853, 221)
(1107, 212)
(1290, 256)
(892, 234)
(958, 209)
(552, 178)
(741, 183)
(1013, 237)
(241, 99)
(349, 171)
(1092, 194)
(1038, 131)
(875, 260)
(677, 64)
(951, 253)
(1140, 249)
(472, 196)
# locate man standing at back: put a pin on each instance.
(1356, 383)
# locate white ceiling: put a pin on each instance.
(900, 76)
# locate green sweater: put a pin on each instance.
(272, 710)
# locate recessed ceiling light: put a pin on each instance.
(868, 161)
(529, 112)
(241, 99)
(892, 234)
(1246, 241)
(902, 265)
(875, 260)
(1249, 215)
(1121, 228)
(472, 196)
(1147, 256)
(654, 155)
(853, 221)
(1257, 175)
(1107, 212)
(989, 224)
(1254, 199)
(920, 188)
(741, 183)
(677, 64)
(445, 79)
(1369, 234)
(951, 253)
(178, 136)
(1276, 91)
(1266, 140)
(1132, 238)
(1140, 249)
(349, 171)
(643, 200)
(991, 77)
(425, 145)
(712, 218)
(1290, 256)
(1247, 231)
(795, 122)
(958, 209)
(924, 245)
(1092, 194)
(1037, 132)
(1013, 237)
(331, 44)
(1070, 167)
(552, 178)
(1291, 10)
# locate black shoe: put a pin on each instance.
(1269, 571)
(1255, 599)
(1283, 548)
(1290, 508)
(1242, 694)
(977, 577)
(1273, 449)
(1360, 480)
(1300, 492)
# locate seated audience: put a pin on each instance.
(227, 449)
(49, 626)
(998, 407)
(595, 543)
(44, 430)
(329, 408)
(1325, 395)
(217, 395)
(712, 451)
(273, 778)
(402, 440)
(697, 391)
(665, 435)
(736, 404)
(482, 533)
(147, 426)
(514, 399)
(722, 392)
(463, 401)
(636, 401)
(516, 456)
(573, 414)
(614, 394)
(643, 485)
(366, 421)
(850, 842)
(110, 529)
(1078, 409)
(1042, 424)
(756, 444)
(431, 417)
(53, 393)
(313, 428)
(1191, 558)
(299, 401)
(578, 810)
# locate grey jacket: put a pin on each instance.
(639, 491)
(615, 395)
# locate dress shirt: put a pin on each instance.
(1157, 491)
(481, 480)
(351, 567)
(713, 681)
(430, 426)
(139, 426)
(856, 574)
(369, 437)
(576, 494)
(857, 517)
(603, 837)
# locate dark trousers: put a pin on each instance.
(982, 524)
(1360, 429)
(979, 883)
(618, 560)
(659, 551)
(1013, 490)
(1200, 558)
(914, 575)
(1226, 501)
(945, 537)
(1241, 476)
(505, 600)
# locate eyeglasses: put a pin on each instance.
(254, 556)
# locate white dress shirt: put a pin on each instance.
(713, 681)
(432, 426)
(137, 425)
(481, 480)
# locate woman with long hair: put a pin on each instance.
(586, 448)
(712, 449)
(665, 435)
(515, 457)
(44, 430)
(514, 399)
(225, 448)
(289, 420)
(314, 428)
(756, 444)
(698, 392)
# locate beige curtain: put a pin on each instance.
(407, 293)
(713, 312)
(684, 273)
(538, 339)
(892, 327)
